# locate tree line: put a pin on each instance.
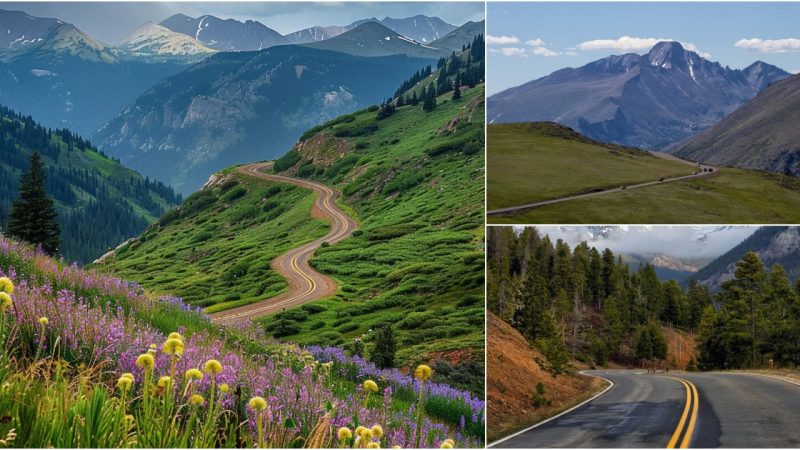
(756, 322)
(583, 303)
(92, 204)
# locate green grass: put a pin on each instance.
(416, 260)
(534, 162)
(731, 196)
(216, 250)
(414, 183)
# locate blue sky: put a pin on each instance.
(110, 22)
(532, 40)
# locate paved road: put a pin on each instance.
(305, 283)
(702, 171)
(676, 410)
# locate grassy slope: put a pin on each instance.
(215, 251)
(732, 196)
(527, 164)
(417, 259)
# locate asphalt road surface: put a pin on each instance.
(702, 171)
(305, 283)
(676, 410)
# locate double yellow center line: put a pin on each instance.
(688, 418)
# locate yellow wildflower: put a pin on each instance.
(423, 372)
(212, 366)
(6, 285)
(224, 388)
(194, 374)
(366, 434)
(196, 400)
(165, 382)
(124, 383)
(344, 434)
(359, 429)
(451, 442)
(128, 375)
(446, 444)
(43, 321)
(373, 445)
(257, 403)
(377, 431)
(370, 386)
(5, 301)
(174, 335)
(173, 347)
(145, 361)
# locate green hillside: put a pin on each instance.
(414, 182)
(100, 202)
(517, 151)
(530, 162)
(215, 250)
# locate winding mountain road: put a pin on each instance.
(702, 171)
(305, 283)
(675, 410)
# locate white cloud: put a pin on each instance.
(535, 42)
(501, 40)
(634, 44)
(546, 52)
(510, 51)
(770, 45)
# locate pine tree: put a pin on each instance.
(429, 104)
(457, 88)
(383, 353)
(33, 214)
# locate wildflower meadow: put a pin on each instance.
(89, 360)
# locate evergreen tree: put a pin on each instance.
(429, 104)
(457, 88)
(414, 100)
(383, 353)
(33, 214)
(742, 299)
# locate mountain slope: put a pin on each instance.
(774, 245)
(414, 182)
(226, 35)
(420, 28)
(243, 106)
(647, 101)
(315, 33)
(456, 39)
(567, 163)
(65, 78)
(100, 203)
(762, 134)
(373, 39)
(154, 41)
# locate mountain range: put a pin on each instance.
(227, 35)
(423, 29)
(773, 245)
(373, 39)
(53, 71)
(244, 106)
(648, 101)
(762, 134)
